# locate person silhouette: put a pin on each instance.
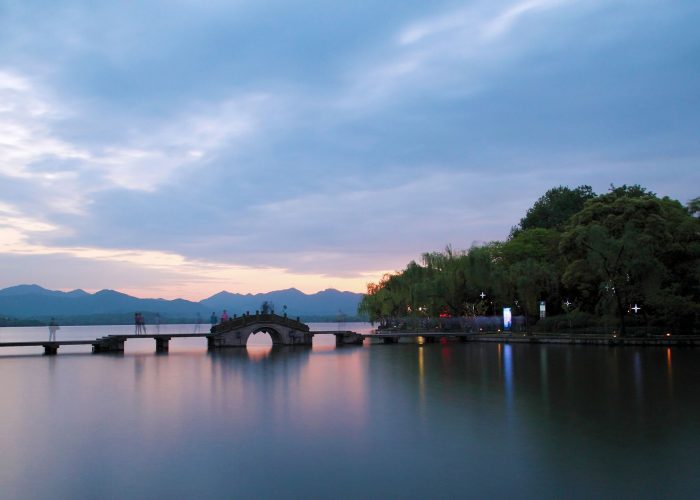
(213, 320)
(142, 320)
(140, 324)
(198, 323)
(53, 328)
(224, 316)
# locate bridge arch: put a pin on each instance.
(283, 331)
(275, 335)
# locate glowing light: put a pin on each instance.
(507, 318)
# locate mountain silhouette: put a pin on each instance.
(34, 301)
(325, 303)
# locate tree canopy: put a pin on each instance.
(556, 207)
(599, 254)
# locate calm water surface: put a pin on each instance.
(383, 421)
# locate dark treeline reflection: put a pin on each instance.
(409, 421)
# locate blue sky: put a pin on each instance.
(179, 148)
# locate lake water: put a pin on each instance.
(381, 421)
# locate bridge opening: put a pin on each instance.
(259, 339)
(259, 345)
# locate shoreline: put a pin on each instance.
(609, 340)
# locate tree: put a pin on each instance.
(603, 252)
(694, 207)
(530, 270)
(385, 300)
(447, 281)
(629, 246)
(555, 208)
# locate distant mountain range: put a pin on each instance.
(35, 302)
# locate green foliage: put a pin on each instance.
(602, 253)
(555, 208)
(694, 207)
(529, 269)
(630, 247)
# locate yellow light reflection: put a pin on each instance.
(421, 380)
(258, 352)
(669, 368)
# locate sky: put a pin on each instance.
(178, 148)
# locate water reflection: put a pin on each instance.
(375, 421)
(508, 376)
(638, 382)
(258, 352)
(544, 377)
(421, 380)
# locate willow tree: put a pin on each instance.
(529, 270)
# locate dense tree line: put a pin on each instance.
(587, 256)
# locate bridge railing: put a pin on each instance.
(249, 319)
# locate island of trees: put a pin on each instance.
(625, 262)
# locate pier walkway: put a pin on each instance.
(285, 331)
(232, 333)
(109, 343)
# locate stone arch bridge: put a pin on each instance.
(282, 329)
(231, 333)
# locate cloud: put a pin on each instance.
(145, 159)
(237, 138)
(25, 133)
(456, 48)
(172, 274)
(505, 20)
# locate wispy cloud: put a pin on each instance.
(203, 277)
(144, 158)
(457, 48)
(251, 140)
(506, 20)
(25, 131)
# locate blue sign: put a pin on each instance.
(507, 318)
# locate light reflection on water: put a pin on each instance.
(438, 420)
